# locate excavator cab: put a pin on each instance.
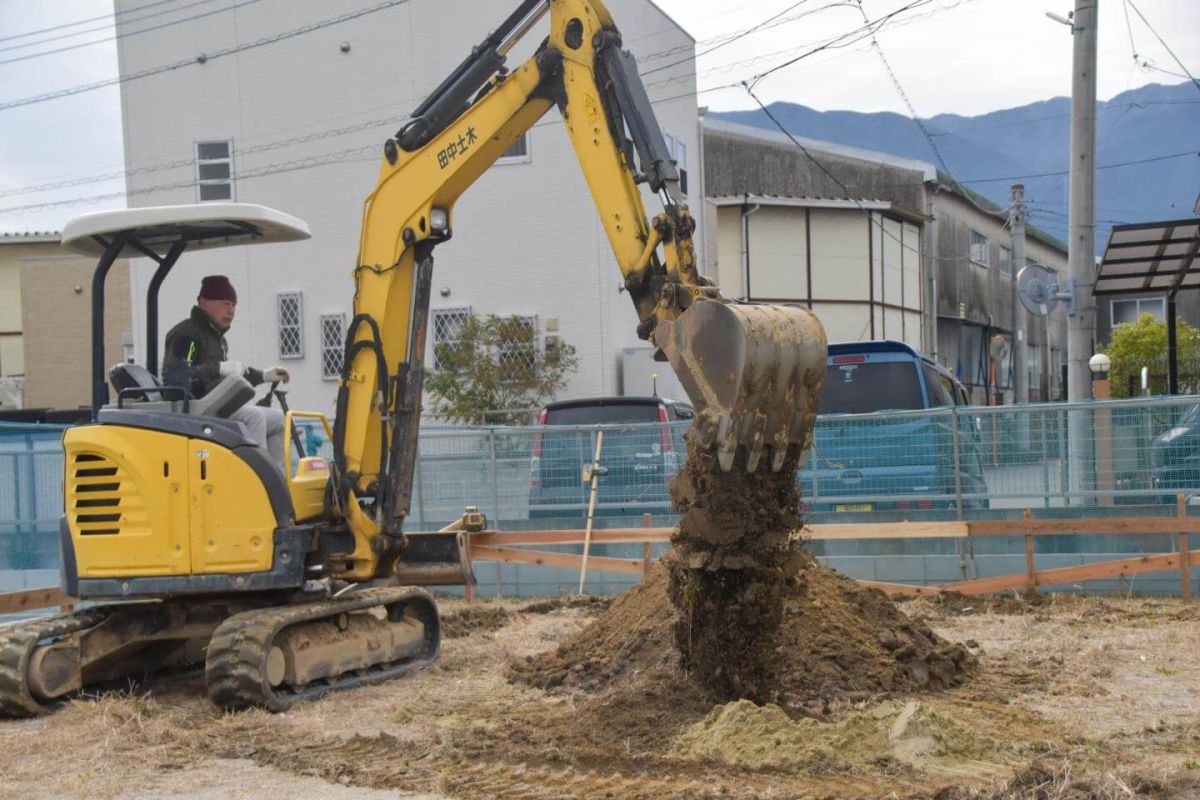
(164, 494)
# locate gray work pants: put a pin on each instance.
(264, 427)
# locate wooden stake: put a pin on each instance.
(646, 546)
(1030, 570)
(1185, 567)
(587, 534)
(470, 588)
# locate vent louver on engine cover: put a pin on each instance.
(96, 493)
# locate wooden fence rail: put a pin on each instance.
(511, 547)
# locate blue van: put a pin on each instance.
(889, 464)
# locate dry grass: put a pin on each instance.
(1092, 699)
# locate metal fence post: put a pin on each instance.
(954, 438)
(419, 479)
(27, 525)
(495, 479)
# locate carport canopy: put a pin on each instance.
(1152, 258)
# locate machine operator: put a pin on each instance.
(197, 358)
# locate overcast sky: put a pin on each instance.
(957, 56)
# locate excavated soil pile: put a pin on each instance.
(744, 612)
(835, 640)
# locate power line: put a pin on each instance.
(846, 191)
(292, 165)
(1167, 47)
(869, 28)
(146, 73)
(1066, 172)
(190, 161)
(78, 180)
(109, 25)
(65, 25)
(913, 113)
(903, 94)
(160, 26)
(753, 29)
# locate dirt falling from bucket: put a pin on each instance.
(737, 549)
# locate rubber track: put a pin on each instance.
(235, 668)
(17, 644)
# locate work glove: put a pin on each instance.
(276, 374)
(232, 368)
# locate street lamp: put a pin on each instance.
(1100, 365)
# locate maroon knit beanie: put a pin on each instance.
(218, 287)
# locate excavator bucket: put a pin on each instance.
(753, 373)
(435, 559)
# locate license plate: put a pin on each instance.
(856, 507)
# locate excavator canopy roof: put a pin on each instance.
(202, 226)
(162, 234)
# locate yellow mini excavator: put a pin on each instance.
(289, 581)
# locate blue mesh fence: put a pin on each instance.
(1122, 458)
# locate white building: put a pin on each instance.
(298, 123)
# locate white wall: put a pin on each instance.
(526, 241)
(853, 262)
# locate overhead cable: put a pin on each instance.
(203, 58)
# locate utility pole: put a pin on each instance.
(1081, 234)
(1081, 245)
(1016, 219)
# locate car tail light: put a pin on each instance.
(849, 359)
(537, 437)
(924, 504)
(667, 445)
(664, 431)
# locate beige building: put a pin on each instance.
(45, 322)
(910, 255)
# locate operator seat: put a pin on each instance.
(140, 386)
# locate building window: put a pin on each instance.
(518, 153)
(519, 353)
(333, 345)
(214, 171)
(979, 250)
(288, 316)
(1127, 311)
(447, 327)
(1006, 263)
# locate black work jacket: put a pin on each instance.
(194, 351)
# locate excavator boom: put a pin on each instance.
(752, 372)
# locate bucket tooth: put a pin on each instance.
(753, 373)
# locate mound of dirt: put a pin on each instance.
(740, 610)
(835, 640)
(764, 737)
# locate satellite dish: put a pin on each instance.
(1037, 286)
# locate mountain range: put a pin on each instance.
(1156, 125)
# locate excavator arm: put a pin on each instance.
(749, 370)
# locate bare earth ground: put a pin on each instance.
(1074, 698)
